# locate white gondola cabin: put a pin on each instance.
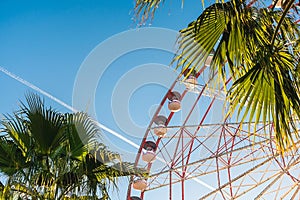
(160, 129)
(149, 155)
(139, 184)
(174, 103)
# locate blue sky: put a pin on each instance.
(46, 42)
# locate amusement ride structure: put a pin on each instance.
(198, 150)
(226, 159)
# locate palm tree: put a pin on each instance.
(258, 47)
(48, 155)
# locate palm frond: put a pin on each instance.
(81, 131)
(54, 154)
(43, 123)
(264, 72)
(15, 128)
(145, 9)
(11, 158)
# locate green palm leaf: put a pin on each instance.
(81, 131)
(11, 157)
(15, 128)
(54, 155)
(145, 9)
(44, 124)
(258, 48)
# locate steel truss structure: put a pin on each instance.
(227, 160)
(214, 157)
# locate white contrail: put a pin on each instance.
(19, 79)
(36, 88)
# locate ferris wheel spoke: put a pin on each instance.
(279, 188)
(295, 193)
(229, 159)
(213, 157)
(221, 187)
(295, 185)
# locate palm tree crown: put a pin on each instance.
(48, 155)
(258, 47)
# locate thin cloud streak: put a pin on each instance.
(30, 85)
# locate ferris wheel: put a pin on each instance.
(196, 152)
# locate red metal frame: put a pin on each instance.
(227, 156)
(230, 154)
